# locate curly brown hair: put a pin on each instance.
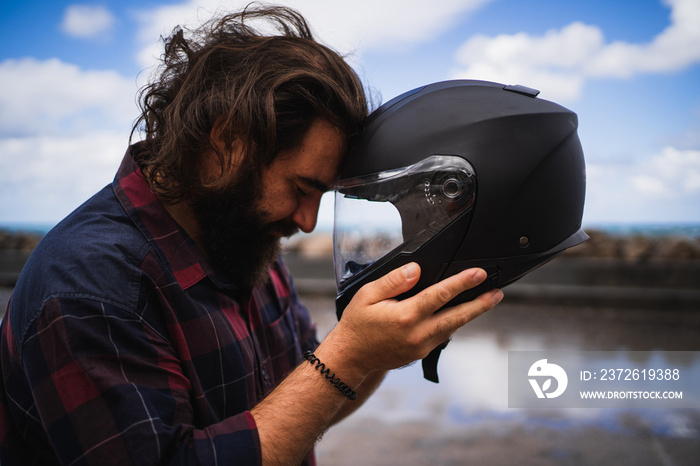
(262, 91)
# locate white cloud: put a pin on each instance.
(63, 131)
(675, 48)
(649, 186)
(55, 97)
(673, 173)
(87, 21)
(692, 181)
(665, 187)
(43, 178)
(561, 61)
(349, 27)
(549, 62)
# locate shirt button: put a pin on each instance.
(265, 375)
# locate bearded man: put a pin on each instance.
(157, 324)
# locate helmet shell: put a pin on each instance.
(529, 168)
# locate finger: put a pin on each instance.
(392, 284)
(451, 319)
(436, 296)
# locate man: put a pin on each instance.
(156, 324)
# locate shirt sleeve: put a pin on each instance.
(108, 389)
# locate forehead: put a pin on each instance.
(317, 159)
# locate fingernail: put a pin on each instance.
(478, 276)
(409, 270)
(496, 297)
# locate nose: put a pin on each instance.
(306, 214)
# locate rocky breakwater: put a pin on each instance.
(15, 248)
(623, 271)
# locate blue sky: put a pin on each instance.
(69, 73)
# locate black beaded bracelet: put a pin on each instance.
(344, 389)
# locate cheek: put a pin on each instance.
(276, 205)
(283, 209)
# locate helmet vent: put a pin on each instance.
(519, 89)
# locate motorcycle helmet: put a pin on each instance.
(454, 175)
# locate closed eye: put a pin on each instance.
(308, 184)
(302, 192)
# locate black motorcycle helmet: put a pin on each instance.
(454, 175)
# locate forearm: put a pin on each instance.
(292, 418)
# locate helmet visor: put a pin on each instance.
(381, 215)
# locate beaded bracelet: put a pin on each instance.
(344, 389)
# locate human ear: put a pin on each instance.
(220, 160)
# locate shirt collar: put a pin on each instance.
(187, 261)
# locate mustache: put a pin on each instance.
(283, 228)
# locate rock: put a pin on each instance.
(18, 241)
(638, 248)
(318, 245)
(599, 244)
(679, 249)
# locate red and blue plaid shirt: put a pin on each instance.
(122, 345)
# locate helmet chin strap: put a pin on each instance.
(430, 363)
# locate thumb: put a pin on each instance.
(392, 284)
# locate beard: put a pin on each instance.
(238, 241)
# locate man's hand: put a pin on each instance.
(377, 332)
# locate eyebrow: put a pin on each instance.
(314, 183)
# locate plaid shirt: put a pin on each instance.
(122, 345)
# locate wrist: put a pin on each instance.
(341, 360)
(332, 378)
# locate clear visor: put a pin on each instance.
(381, 215)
